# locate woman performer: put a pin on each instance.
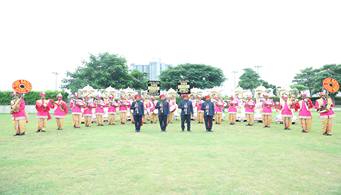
(18, 114)
(304, 113)
(249, 106)
(286, 113)
(324, 105)
(43, 112)
(232, 110)
(200, 113)
(76, 105)
(172, 107)
(218, 108)
(99, 104)
(113, 104)
(147, 107)
(88, 106)
(123, 107)
(267, 105)
(153, 110)
(60, 111)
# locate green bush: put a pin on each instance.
(30, 98)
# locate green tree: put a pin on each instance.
(138, 80)
(249, 79)
(312, 78)
(100, 71)
(200, 76)
(307, 77)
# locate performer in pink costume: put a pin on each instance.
(249, 106)
(113, 105)
(19, 115)
(218, 109)
(267, 105)
(304, 106)
(232, 110)
(76, 105)
(153, 110)
(60, 111)
(123, 107)
(200, 113)
(43, 112)
(87, 113)
(286, 112)
(99, 103)
(324, 105)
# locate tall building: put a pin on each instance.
(153, 69)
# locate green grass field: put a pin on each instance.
(115, 160)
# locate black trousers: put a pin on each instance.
(137, 122)
(186, 118)
(208, 122)
(163, 122)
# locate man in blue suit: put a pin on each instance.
(137, 108)
(208, 108)
(186, 107)
(163, 110)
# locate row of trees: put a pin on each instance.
(107, 70)
(311, 78)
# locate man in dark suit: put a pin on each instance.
(208, 108)
(137, 108)
(163, 112)
(186, 107)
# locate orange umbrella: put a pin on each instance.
(331, 85)
(22, 86)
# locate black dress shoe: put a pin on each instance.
(23, 133)
(38, 130)
(17, 134)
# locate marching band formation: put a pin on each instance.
(141, 109)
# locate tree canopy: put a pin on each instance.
(250, 79)
(199, 75)
(312, 78)
(104, 70)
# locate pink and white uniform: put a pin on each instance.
(112, 107)
(324, 102)
(60, 109)
(88, 106)
(267, 105)
(219, 106)
(304, 107)
(198, 105)
(124, 105)
(100, 107)
(76, 106)
(285, 109)
(249, 106)
(43, 109)
(232, 109)
(21, 114)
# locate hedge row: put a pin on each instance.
(30, 98)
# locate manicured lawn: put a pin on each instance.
(114, 160)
